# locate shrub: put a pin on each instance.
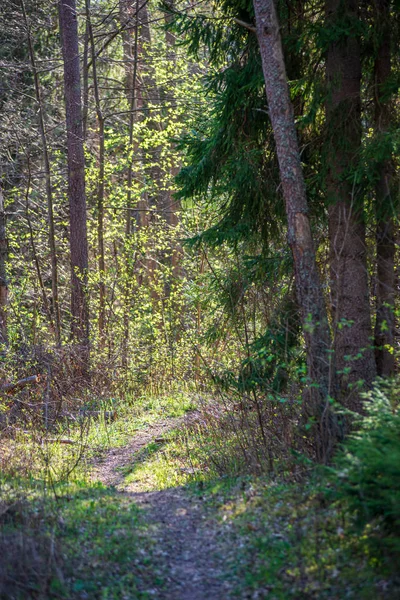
(367, 472)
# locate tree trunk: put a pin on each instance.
(172, 212)
(100, 182)
(308, 285)
(76, 176)
(130, 47)
(85, 77)
(354, 354)
(385, 228)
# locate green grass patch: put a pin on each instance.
(87, 542)
(63, 535)
(286, 541)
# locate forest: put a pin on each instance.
(199, 299)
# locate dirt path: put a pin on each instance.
(188, 549)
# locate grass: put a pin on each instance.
(280, 539)
(92, 543)
(285, 539)
(64, 535)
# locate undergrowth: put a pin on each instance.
(64, 535)
(290, 532)
(301, 532)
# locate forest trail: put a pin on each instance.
(188, 549)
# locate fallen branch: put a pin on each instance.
(10, 387)
(58, 441)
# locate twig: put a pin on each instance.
(8, 387)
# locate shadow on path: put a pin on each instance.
(188, 549)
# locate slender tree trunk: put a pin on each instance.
(130, 47)
(3, 273)
(174, 205)
(49, 190)
(308, 285)
(85, 77)
(76, 176)
(354, 354)
(385, 228)
(100, 182)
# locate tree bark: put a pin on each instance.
(308, 285)
(385, 227)
(354, 354)
(85, 77)
(76, 176)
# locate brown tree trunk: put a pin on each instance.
(172, 212)
(76, 175)
(49, 189)
(129, 44)
(354, 354)
(308, 285)
(385, 228)
(3, 273)
(130, 47)
(85, 77)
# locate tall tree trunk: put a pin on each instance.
(174, 204)
(100, 182)
(3, 273)
(159, 197)
(49, 190)
(76, 176)
(385, 228)
(308, 285)
(354, 354)
(130, 47)
(85, 77)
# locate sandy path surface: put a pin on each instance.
(187, 545)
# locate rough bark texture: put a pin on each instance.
(308, 285)
(85, 77)
(76, 173)
(3, 273)
(385, 228)
(354, 354)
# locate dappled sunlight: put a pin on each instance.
(199, 300)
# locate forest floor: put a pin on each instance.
(156, 508)
(185, 535)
